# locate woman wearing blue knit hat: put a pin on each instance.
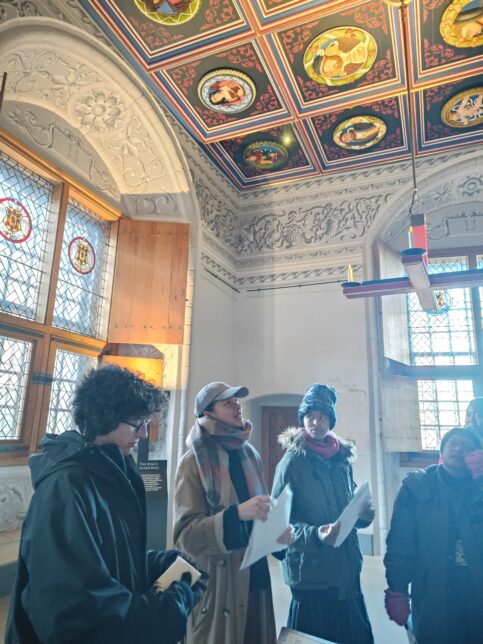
(325, 581)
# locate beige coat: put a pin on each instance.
(220, 616)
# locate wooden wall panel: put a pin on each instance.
(149, 290)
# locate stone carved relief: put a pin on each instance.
(134, 150)
(450, 193)
(85, 88)
(57, 136)
(17, 9)
(215, 214)
(98, 109)
(471, 186)
(15, 495)
(47, 76)
(332, 221)
(146, 206)
(470, 222)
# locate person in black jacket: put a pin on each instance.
(327, 599)
(435, 544)
(83, 573)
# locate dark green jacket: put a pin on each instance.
(321, 490)
(430, 514)
(83, 575)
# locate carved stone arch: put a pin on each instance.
(77, 103)
(73, 99)
(444, 189)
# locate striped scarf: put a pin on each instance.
(210, 439)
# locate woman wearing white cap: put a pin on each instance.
(219, 492)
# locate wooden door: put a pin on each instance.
(274, 421)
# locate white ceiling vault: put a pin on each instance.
(117, 138)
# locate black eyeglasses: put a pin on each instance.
(137, 428)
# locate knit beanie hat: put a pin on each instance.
(460, 431)
(321, 398)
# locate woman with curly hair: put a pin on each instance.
(83, 573)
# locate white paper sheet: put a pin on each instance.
(263, 539)
(350, 514)
(175, 572)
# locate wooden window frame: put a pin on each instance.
(446, 372)
(47, 338)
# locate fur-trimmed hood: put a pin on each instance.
(292, 438)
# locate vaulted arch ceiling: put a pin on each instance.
(73, 99)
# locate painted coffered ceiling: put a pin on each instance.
(278, 90)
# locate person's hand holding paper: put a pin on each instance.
(359, 506)
(272, 534)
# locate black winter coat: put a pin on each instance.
(430, 514)
(321, 490)
(83, 575)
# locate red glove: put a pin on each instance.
(474, 462)
(397, 606)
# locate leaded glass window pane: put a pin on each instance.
(15, 358)
(479, 264)
(442, 406)
(446, 337)
(81, 298)
(25, 225)
(68, 371)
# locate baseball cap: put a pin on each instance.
(216, 391)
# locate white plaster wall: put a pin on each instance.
(288, 339)
(213, 344)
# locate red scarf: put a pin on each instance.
(328, 448)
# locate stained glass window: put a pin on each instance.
(81, 299)
(442, 406)
(446, 337)
(15, 357)
(68, 371)
(25, 222)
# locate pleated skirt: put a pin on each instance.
(323, 614)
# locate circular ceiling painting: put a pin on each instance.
(464, 109)
(226, 90)
(169, 12)
(462, 24)
(340, 56)
(265, 155)
(359, 132)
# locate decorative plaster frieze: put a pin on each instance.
(216, 246)
(216, 215)
(219, 269)
(305, 277)
(285, 273)
(338, 221)
(307, 256)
